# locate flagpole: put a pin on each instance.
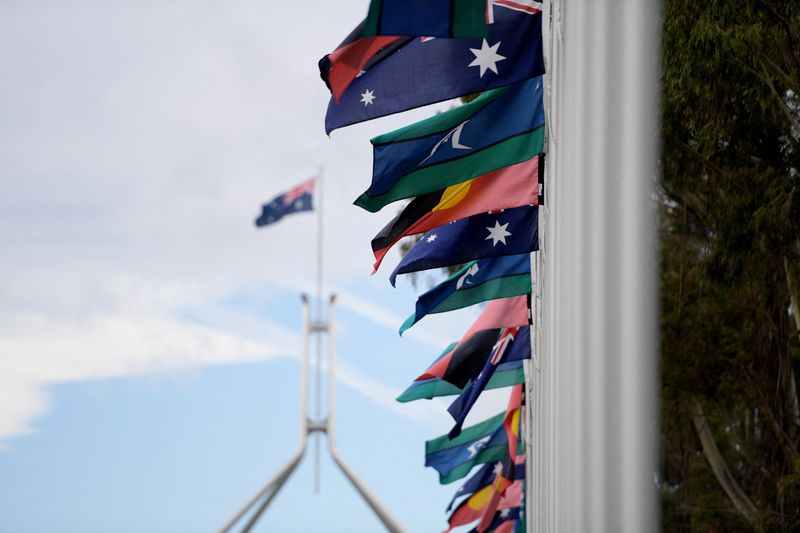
(308, 425)
(597, 429)
(318, 378)
(389, 521)
(267, 493)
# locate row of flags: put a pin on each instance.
(472, 179)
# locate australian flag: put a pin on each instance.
(294, 201)
(507, 232)
(425, 70)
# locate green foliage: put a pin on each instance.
(730, 219)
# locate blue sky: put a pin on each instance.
(149, 334)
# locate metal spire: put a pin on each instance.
(319, 425)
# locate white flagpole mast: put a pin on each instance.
(270, 489)
(318, 320)
(389, 521)
(594, 450)
(266, 494)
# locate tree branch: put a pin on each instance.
(788, 31)
(718, 466)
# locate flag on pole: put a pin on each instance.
(434, 18)
(295, 200)
(486, 442)
(478, 281)
(480, 479)
(462, 361)
(485, 476)
(504, 188)
(355, 54)
(478, 444)
(477, 506)
(423, 71)
(505, 479)
(512, 344)
(506, 375)
(504, 521)
(508, 232)
(498, 129)
(504, 313)
(527, 6)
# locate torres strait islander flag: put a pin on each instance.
(508, 232)
(422, 71)
(504, 188)
(500, 128)
(482, 443)
(479, 444)
(294, 201)
(478, 281)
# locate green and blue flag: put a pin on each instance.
(482, 443)
(500, 128)
(486, 442)
(479, 281)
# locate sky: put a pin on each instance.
(149, 334)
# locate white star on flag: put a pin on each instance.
(498, 233)
(367, 97)
(498, 467)
(431, 238)
(486, 57)
(505, 512)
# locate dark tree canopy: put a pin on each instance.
(730, 256)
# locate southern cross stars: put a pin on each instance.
(431, 238)
(498, 467)
(367, 97)
(498, 233)
(486, 57)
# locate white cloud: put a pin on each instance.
(137, 143)
(391, 320)
(129, 327)
(44, 351)
(21, 403)
(432, 413)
